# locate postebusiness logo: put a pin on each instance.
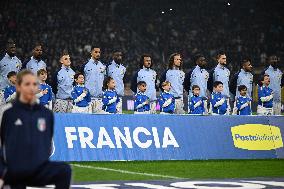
(257, 137)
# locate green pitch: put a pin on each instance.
(157, 170)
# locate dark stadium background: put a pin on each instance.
(160, 27)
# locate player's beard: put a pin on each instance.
(11, 54)
(38, 57)
(274, 65)
(118, 61)
(202, 66)
(177, 67)
(247, 70)
(148, 66)
(223, 64)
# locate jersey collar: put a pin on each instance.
(115, 64)
(110, 90)
(78, 85)
(166, 92)
(175, 68)
(198, 67)
(221, 67)
(216, 92)
(242, 70)
(33, 106)
(94, 61)
(270, 67)
(11, 85)
(38, 60)
(9, 56)
(147, 69)
(139, 92)
(66, 68)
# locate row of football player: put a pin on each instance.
(95, 71)
(219, 104)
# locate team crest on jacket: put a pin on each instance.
(41, 125)
(18, 65)
(102, 69)
(206, 76)
(122, 72)
(154, 76)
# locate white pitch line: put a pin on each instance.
(126, 172)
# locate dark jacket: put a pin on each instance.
(26, 137)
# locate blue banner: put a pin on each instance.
(86, 137)
(279, 122)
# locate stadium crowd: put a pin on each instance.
(138, 27)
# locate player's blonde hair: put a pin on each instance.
(41, 71)
(22, 74)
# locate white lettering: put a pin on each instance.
(169, 139)
(142, 137)
(152, 186)
(232, 185)
(136, 137)
(86, 140)
(126, 138)
(156, 137)
(98, 186)
(69, 136)
(104, 135)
